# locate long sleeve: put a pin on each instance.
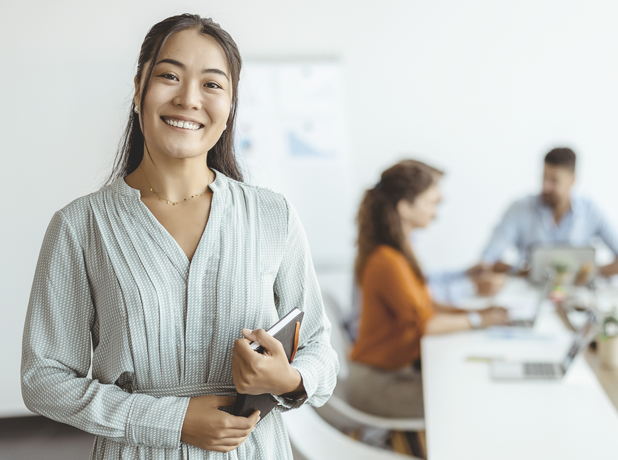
(450, 287)
(296, 285)
(606, 230)
(56, 355)
(505, 235)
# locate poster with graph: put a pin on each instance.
(292, 139)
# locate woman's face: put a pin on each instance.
(422, 211)
(189, 97)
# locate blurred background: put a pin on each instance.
(480, 89)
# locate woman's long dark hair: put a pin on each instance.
(378, 220)
(131, 149)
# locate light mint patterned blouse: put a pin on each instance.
(162, 327)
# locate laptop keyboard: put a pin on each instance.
(539, 369)
(521, 323)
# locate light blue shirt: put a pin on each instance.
(450, 286)
(530, 222)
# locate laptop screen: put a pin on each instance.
(583, 335)
(544, 258)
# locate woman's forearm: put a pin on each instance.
(441, 323)
(445, 308)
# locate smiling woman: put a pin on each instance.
(156, 50)
(159, 271)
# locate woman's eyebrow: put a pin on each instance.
(182, 66)
(217, 71)
(173, 62)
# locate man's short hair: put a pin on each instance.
(561, 156)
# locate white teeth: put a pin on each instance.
(183, 124)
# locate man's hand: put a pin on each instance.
(268, 372)
(488, 283)
(478, 269)
(494, 316)
(207, 427)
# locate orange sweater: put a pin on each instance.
(396, 307)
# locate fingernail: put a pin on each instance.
(247, 331)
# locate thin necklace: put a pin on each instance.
(173, 203)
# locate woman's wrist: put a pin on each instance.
(475, 319)
(292, 385)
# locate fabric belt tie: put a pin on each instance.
(188, 390)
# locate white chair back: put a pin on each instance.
(314, 439)
(338, 339)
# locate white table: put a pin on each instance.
(469, 416)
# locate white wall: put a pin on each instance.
(480, 88)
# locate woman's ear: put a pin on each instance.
(404, 208)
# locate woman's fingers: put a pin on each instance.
(249, 367)
(243, 354)
(236, 433)
(221, 401)
(272, 345)
(242, 351)
(240, 368)
(254, 418)
(209, 428)
(234, 422)
(229, 444)
(255, 373)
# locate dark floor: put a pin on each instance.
(34, 438)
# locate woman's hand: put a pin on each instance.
(268, 372)
(207, 427)
(494, 316)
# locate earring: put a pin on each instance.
(135, 109)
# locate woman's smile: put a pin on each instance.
(183, 124)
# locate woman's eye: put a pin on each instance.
(169, 76)
(212, 84)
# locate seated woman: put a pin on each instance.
(397, 309)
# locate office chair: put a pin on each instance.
(314, 439)
(342, 415)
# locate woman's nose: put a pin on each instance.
(188, 96)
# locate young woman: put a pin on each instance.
(397, 309)
(163, 268)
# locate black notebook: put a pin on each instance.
(286, 331)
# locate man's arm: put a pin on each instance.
(505, 235)
(607, 232)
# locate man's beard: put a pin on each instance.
(549, 199)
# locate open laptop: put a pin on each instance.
(543, 259)
(529, 322)
(509, 370)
